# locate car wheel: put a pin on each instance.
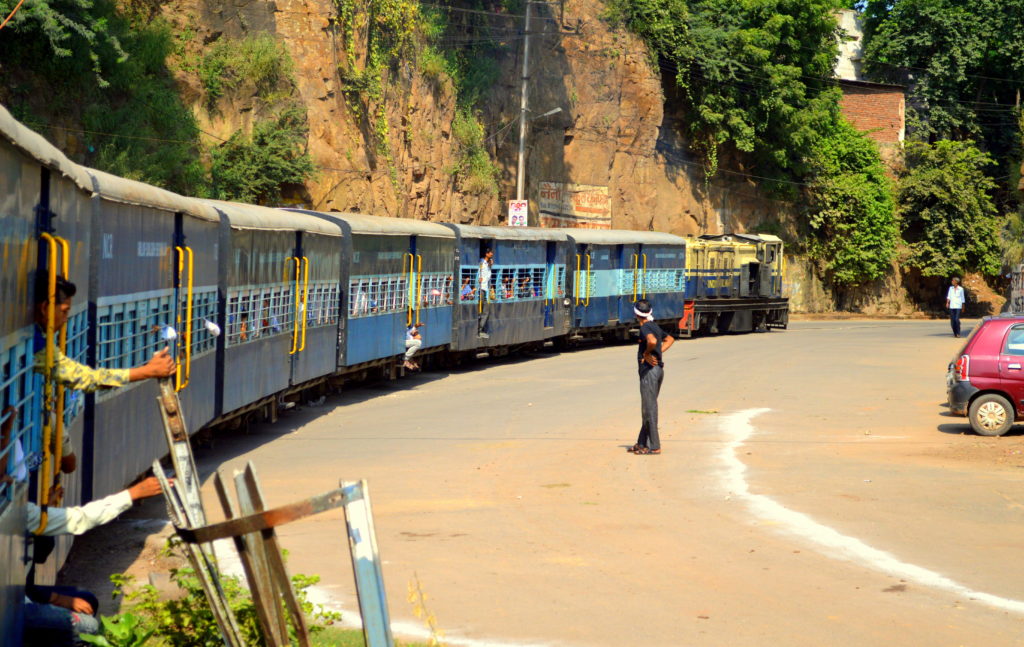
(991, 415)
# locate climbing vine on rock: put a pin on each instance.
(390, 28)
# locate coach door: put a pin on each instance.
(197, 315)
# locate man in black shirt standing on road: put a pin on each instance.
(654, 342)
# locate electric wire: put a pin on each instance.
(11, 15)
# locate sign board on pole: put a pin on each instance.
(518, 210)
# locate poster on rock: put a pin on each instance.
(563, 204)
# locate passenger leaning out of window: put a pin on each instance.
(79, 376)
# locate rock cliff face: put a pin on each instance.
(612, 131)
(353, 176)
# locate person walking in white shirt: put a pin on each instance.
(955, 303)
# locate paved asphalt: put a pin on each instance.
(849, 510)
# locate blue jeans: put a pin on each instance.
(954, 320)
(52, 626)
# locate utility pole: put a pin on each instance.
(521, 168)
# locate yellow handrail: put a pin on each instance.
(178, 368)
(643, 283)
(636, 270)
(55, 245)
(305, 300)
(576, 283)
(409, 289)
(295, 310)
(62, 342)
(188, 315)
(188, 282)
(549, 269)
(587, 302)
(419, 286)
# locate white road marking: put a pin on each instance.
(738, 429)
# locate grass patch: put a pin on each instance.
(702, 411)
(337, 637)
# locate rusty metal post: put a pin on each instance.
(259, 585)
(275, 561)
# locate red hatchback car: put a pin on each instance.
(985, 380)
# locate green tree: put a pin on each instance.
(69, 27)
(963, 63)
(949, 219)
(852, 212)
(754, 75)
(254, 168)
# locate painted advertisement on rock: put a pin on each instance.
(574, 205)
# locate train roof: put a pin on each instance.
(252, 216)
(507, 233)
(751, 238)
(623, 237)
(360, 223)
(125, 191)
(37, 146)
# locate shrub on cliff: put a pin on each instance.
(852, 211)
(254, 168)
(945, 201)
(259, 60)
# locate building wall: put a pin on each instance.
(875, 108)
(851, 45)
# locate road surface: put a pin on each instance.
(812, 491)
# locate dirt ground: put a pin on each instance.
(849, 512)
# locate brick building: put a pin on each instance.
(877, 108)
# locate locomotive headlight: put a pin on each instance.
(567, 302)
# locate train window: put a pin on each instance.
(435, 289)
(17, 389)
(467, 283)
(537, 281)
(358, 298)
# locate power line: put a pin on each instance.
(11, 15)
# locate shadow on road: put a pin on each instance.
(965, 429)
